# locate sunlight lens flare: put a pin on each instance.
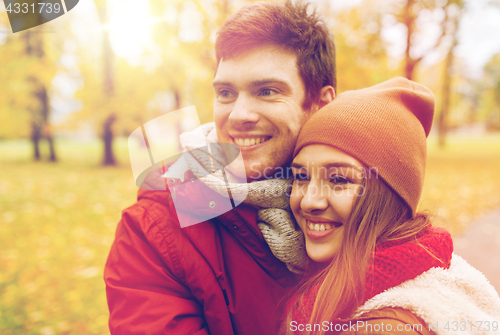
(130, 28)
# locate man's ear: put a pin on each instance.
(326, 96)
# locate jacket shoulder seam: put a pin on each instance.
(166, 233)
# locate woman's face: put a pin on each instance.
(326, 182)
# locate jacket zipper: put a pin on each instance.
(225, 297)
(220, 278)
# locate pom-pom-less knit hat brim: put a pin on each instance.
(385, 127)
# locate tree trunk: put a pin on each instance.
(108, 90)
(43, 98)
(443, 116)
(107, 138)
(409, 21)
(445, 106)
(410, 68)
(53, 156)
(35, 140)
(40, 124)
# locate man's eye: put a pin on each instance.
(339, 180)
(224, 93)
(266, 92)
(225, 96)
(300, 177)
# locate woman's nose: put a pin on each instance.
(314, 197)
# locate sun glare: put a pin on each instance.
(130, 29)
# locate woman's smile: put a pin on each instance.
(318, 227)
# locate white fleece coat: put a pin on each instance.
(460, 295)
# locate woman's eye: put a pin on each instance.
(300, 177)
(339, 180)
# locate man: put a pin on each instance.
(276, 67)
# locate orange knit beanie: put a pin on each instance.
(385, 127)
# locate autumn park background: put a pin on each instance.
(72, 91)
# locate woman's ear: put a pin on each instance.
(326, 96)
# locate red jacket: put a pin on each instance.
(217, 277)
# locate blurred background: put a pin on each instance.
(72, 91)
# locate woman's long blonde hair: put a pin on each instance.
(377, 216)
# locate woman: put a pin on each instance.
(358, 174)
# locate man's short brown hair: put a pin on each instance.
(287, 25)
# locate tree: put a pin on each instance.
(361, 54)
(27, 70)
(454, 14)
(491, 92)
(188, 64)
(108, 90)
(410, 14)
(40, 124)
(415, 15)
(117, 96)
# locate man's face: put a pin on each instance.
(258, 107)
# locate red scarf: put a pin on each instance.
(393, 263)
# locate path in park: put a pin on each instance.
(480, 246)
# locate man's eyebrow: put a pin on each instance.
(221, 83)
(269, 81)
(256, 83)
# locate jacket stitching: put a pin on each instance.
(168, 239)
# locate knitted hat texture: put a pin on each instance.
(385, 127)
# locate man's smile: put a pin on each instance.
(250, 141)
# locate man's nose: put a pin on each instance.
(315, 197)
(244, 111)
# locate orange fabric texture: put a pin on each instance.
(385, 127)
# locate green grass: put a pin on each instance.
(463, 180)
(57, 223)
